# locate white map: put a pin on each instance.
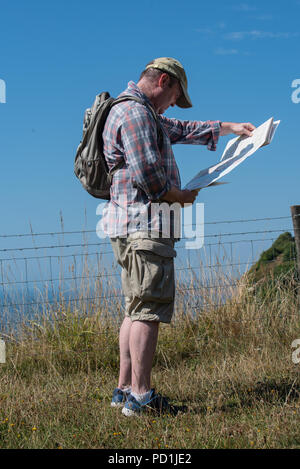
(236, 151)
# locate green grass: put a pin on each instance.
(231, 365)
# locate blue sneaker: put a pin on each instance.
(119, 397)
(155, 402)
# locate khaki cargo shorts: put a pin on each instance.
(148, 280)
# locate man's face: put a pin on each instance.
(168, 97)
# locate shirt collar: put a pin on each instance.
(133, 89)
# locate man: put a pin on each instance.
(149, 175)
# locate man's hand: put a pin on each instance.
(236, 128)
(188, 197)
(182, 197)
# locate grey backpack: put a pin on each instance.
(90, 165)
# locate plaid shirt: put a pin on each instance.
(130, 135)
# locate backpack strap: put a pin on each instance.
(129, 97)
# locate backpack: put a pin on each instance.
(90, 166)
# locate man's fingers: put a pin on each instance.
(248, 128)
(247, 132)
(188, 196)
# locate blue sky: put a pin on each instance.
(240, 59)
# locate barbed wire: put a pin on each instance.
(97, 253)
(180, 289)
(97, 276)
(191, 224)
(35, 303)
(108, 243)
(87, 254)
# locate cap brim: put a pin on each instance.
(184, 100)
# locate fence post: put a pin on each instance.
(295, 211)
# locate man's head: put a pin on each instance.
(164, 82)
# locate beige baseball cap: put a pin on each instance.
(175, 69)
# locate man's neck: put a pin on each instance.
(147, 89)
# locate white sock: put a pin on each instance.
(141, 397)
(128, 389)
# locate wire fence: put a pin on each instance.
(83, 274)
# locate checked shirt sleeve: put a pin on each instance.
(193, 132)
(141, 152)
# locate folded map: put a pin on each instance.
(236, 151)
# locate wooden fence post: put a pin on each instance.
(295, 211)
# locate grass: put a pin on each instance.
(231, 364)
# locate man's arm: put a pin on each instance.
(236, 128)
(188, 197)
(192, 132)
(203, 133)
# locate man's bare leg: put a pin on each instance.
(125, 360)
(142, 343)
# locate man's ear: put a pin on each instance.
(163, 80)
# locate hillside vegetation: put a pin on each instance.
(276, 266)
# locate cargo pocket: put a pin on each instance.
(152, 271)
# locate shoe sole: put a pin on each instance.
(134, 413)
(116, 404)
(130, 413)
